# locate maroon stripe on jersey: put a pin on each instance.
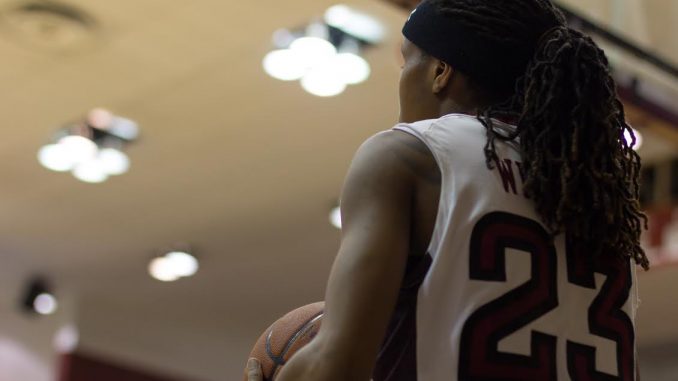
(397, 359)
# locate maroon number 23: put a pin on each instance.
(480, 359)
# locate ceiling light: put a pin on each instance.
(355, 23)
(162, 270)
(284, 65)
(113, 161)
(66, 339)
(351, 68)
(326, 58)
(124, 128)
(55, 158)
(172, 266)
(183, 264)
(91, 148)
(338, 15)
(45, 304)
(91, 171)
(38, 298)
(100, 118)
(335, 217)
(323, 81)
(78, 148)
(629, 139)
(313, 50)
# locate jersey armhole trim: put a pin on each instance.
(434, 245)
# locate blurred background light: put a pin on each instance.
(161, 269)
(183, 264)
(66, 339)
(629, 139)
(284, 65)
(351, 68)
(78, 148)
(38, 298)
(91, 149)
(172, 266)
(54, 157)
(100, 118)
(113, 161)
(91, 171)
(325, 56)
(124, 128)
(45, 304)
(355, 23)
(335, 217)
(338, 15)
(323, 81)
(313, 50)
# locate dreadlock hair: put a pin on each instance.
(580, 171)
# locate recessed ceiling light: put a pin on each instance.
(183, 264)
(313, 50)
(54, 157)
(323, 81)
(160, 269)
(45, 304)
(351, 68)
(325, 55)
(113, 161)
(91, 148)
(173, 266)
(66, 339)
(78, 148)
(335, 217)
(38, 298)
(285, 65)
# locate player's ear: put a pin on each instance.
(443, 76)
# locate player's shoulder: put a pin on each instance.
(397, 148)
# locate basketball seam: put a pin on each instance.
(280, 360)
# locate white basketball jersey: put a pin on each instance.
(499, 298)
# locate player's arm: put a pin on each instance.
(365, 279)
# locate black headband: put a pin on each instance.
(491, 64)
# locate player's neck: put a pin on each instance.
(451, 106)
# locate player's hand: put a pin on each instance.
(254, 370)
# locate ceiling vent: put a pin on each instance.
(48, 25)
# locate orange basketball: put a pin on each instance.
(285, 337)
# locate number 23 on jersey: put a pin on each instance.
(480, 358)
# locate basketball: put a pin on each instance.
(285, 337)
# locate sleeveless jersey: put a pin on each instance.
(497, 298)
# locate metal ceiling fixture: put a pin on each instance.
(91, 149)
(38, 298)
(325, 56)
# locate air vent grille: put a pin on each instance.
(48, 25)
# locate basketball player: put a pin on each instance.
(494, 232)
